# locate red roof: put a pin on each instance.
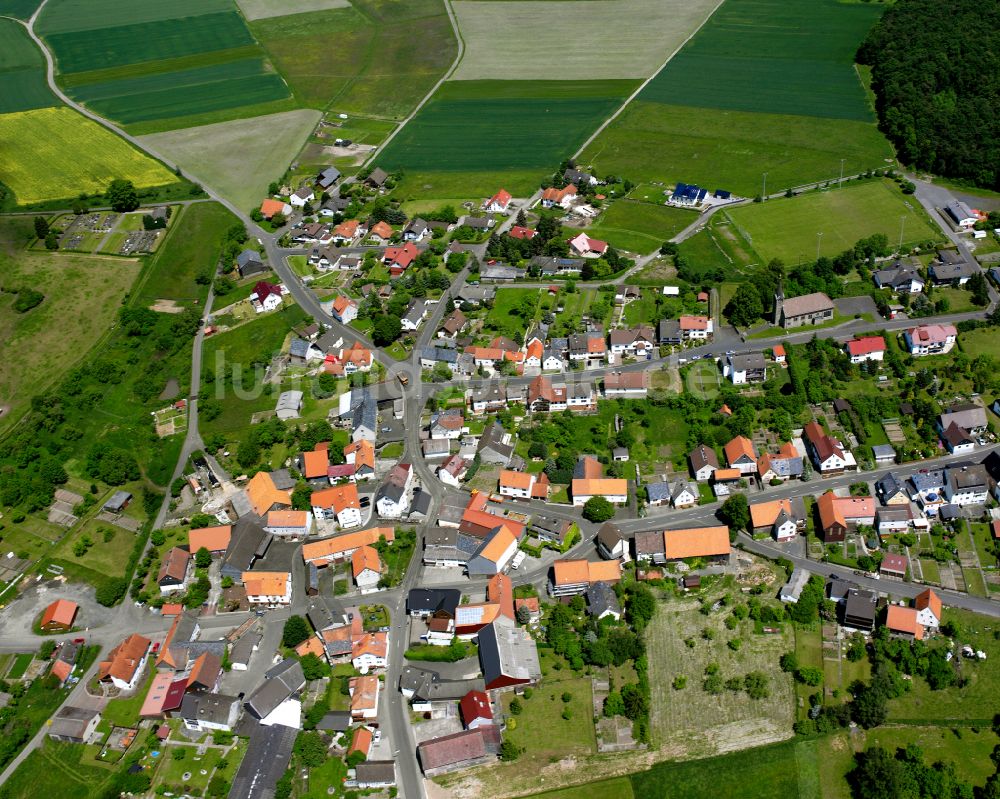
(263, 290)
(866, 345)
(502, 197)
(60, 613)
(519, 232)
(475, 705)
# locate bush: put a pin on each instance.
(27, 299)
(680, 682)
(111, 591)
(295, 631)
(516, 707)
(597, 510)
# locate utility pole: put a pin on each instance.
(841, 182)
(819, 240)
(763, 196)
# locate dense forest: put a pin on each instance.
(936, 76)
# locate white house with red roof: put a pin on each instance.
(266, 296)
(562, 198)
(519, 232)
(695, 328)
(398, 259)
(867, 348)
(498, 203)
(586, 247)
(344, 309)
(931, 339)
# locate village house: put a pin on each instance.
(126, 663)
(270, 208)
(339, 503)
(266, 296)
(498, 203)
(928, 606)
(934, 339)
(957, 439)
(827, 453)
(270, 589)
(966, 484)
(776, 518)
(574, 577)
(585, 247)
(740, 454)
(561, 198)
(747, 368)
(173, 571)
(783, 466)
(614, 490)
(635, 342)
(289, 523)
(60, 615)
(392, 499)
(951, 269)
(344, 309)
(626, 384)
(249, 263)
(866, 348)
(695, 328)
(661, 547)
(901, 278)
(703, 462)
(838, 514)
(611, 544)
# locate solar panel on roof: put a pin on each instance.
(468, 615)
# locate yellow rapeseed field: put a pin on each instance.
(56, 153)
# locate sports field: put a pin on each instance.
(262, 9)
(82, 296)
(22, 71)
(55, 153)
(483, 126)
(499, 42)
(733, 149)
(375, 57)
(233, 157)
(764, 86)
(640, 227)
(142, 62)
(789, 228)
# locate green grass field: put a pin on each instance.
(233, 156)
(82, 296)
(640, 227)
(261, 9)
(195, 244)
(773, 56)
(22, 71)
(477, 126)
(56, 769)
(146, 63)
(980, 342)
(387, 55)
(56, 153)
(21, 9)
(498, 42)
(789, 228)
(732, 149)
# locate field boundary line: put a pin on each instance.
(646, 82)
(451, 71)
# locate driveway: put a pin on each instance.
(17, 619)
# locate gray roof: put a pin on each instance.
(968, 477)
(248, 539)
(71, 722)
(442, 354)
(365, 412)
(883, 451)
(609, 535)
(421, 504)
(432, 600)
(208, 707)
(501, 272)
(427, 685)
(748, 362)
(658, 491)
(324, 612)
(242, 650)
(328, 176)
(601, 599)
(507, 651)
(248, 257)
(931, 480)
(793, 588)
(266, 759)
(680, 487)
(118, 501)
(279, 684)
(377, 177)
(298, 348)
(669, 329)
(807, 304)
(889, 486)
(965, 415)
(335, 721)
(376, 772)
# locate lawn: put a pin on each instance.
(790, 229)
(500, 126)
(965, 706)
(56, 769)
(694, 721)
(646, 32)
(193, 246)
(967, 749)
(125, 712)
(542, 730)
(82, 297)
(22, 71)
(21, 663)
(779, 771)
(387, 56)
(233, 157)
(56, 153)
(731, 150)
(618, 788)
(502, 319)
(640, 227)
